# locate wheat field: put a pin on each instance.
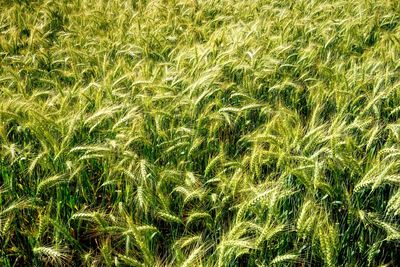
(200, 133)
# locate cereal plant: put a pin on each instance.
(199, 133)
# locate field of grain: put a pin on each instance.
(200, 133)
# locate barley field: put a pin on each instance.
(200, 133)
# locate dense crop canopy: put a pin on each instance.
(199, 133)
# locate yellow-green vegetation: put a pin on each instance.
(199, 133)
